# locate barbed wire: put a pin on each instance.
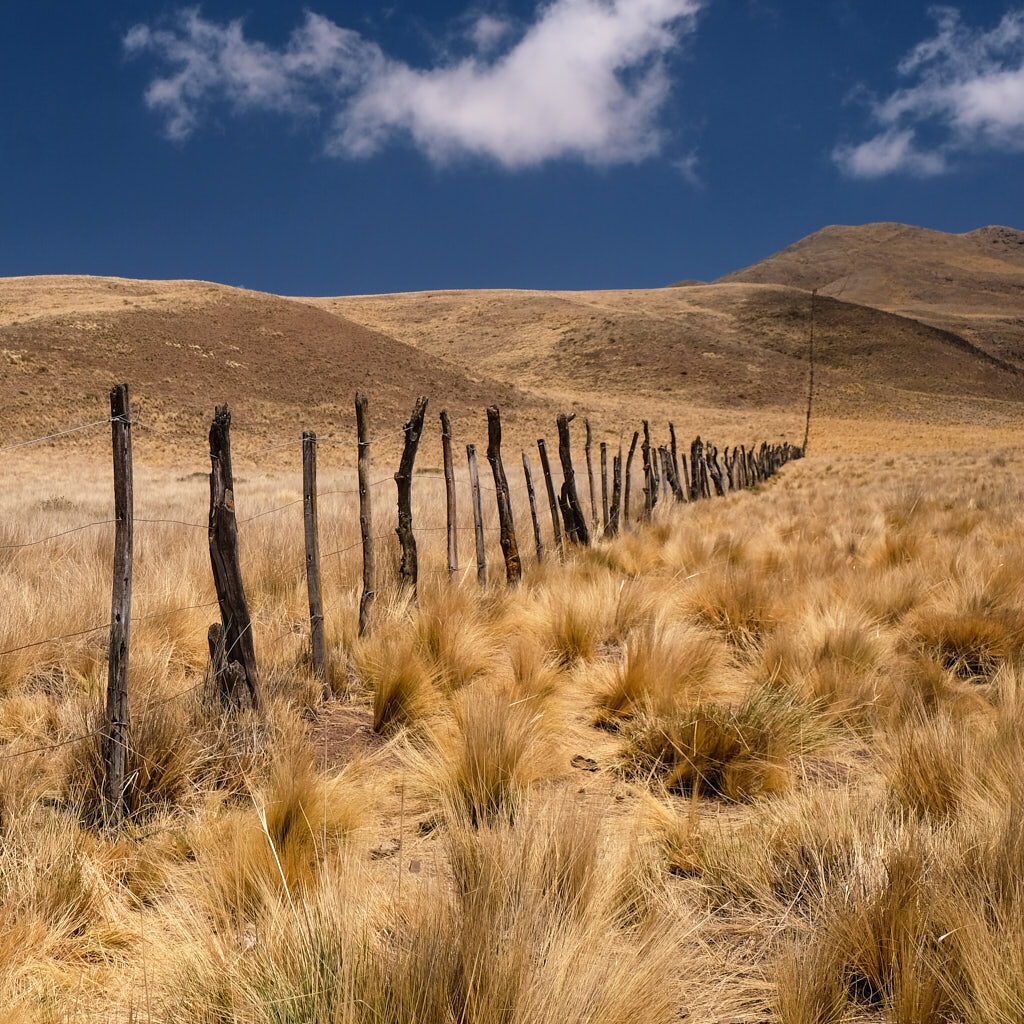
(62, 433)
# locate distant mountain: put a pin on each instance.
(971, 284)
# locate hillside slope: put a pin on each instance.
(186, 346)
(971, 284)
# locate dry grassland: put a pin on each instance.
(759, 760)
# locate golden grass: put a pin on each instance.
(761, 757)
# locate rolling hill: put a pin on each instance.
(917, 334)
(971, 284)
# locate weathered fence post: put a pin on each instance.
(685, 480)
(309, 515)
(533, 506)
(115, 737)
(365, 513)
(572, 513)
(674, 449)
(604, 485)
(227, 570)
(408, 569)
(556, 527)
(650, 492)
(449, 487)
(590, 476)
(629, 480)
(613, 515)
(509, 546)
(478, 516)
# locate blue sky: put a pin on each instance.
(348, 147)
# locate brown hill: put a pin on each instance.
(971, 284)
(723, 359)
(184, 346)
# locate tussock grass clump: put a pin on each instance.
(495, 747)
(528, 934)
(663, 667)
(738, 601)
(277, 846)
(735, 751)
(405, 689)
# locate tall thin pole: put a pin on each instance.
(115, 739)
(365, 513)
(318, 648)
(478, 516)
(449, 487)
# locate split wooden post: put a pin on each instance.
(478, 516)
(365, 513)
(227, 569)
(527, 472)
(575, 523)
(506, 524)
(613, 515)
(604, 485)
(650, 492)
(318, 647)
(629, 480)
(115, 737)
(590, 476)
(556, 526)
(685, 480)
(449, 487)
(408, 569)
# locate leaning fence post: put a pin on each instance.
(509, 545)
(449, 487)
(115, 738)
(478, 516)
(590, 476)
(556, 527)
(227, 569)
(533, 506)
(408, 568)
(575, 523)
(312, 538)
(365, 512)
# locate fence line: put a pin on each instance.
(707, 474)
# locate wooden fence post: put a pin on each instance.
(650, 492)
(572, 513)
(604, 485)
(685, 480)
(509, 545)
(613, 515)
(408, 569)
(227, 570)
(556, 527)
(533, 506)
(312, 537)
(115, 737)
(365, 513)
(674, 450)
(478, 516)
(449, 487)
(629, 480)
(590, 476)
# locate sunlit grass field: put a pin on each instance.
(757, 760)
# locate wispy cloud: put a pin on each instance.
(966, 95)
(586, 79)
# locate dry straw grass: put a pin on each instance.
(762, 757)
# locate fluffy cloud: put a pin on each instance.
(965, 94)
(586, 79)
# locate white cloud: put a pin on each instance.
(586, 79)
(966, 95)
